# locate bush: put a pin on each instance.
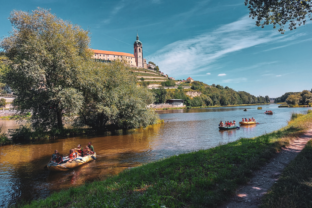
(2, 102)
(169, 83)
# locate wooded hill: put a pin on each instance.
(211, 95)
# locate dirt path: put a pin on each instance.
(250, 194)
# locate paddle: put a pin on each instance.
(94, 158)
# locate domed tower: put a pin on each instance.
(138, 52)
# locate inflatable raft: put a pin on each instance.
(247, 123)
(269, 113)
(70, 165)
(228, 128)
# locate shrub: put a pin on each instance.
(2, 102)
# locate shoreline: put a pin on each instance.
(199, 179)
(215, 106)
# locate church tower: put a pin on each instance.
(138, 52)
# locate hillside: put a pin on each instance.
(151, 77)
(202, 94)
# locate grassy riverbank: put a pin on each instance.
(294, 188)
(198, 179)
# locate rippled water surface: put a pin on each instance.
(22, 173)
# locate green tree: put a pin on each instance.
(46, 55)
(4, 69)
(293, 99)
(168, 83)
(196, 102)
(160, 95)
(2, 102)
(267, 99)
(206, 100)
(280, 12)
(111, 95)
(156, 68)
(306, 97)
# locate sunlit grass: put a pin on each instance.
(205, 178)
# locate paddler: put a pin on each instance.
(54, 155)
(58, 159)
(79, 150)
(91, 147)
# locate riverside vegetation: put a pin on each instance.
(49, 67)
(212, 95)
(295, 99)
(198, 179)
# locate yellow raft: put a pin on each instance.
(70, 165)
(247, 123)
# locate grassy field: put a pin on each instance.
(204, 178)
(294, 188)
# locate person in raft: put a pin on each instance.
(79, 149)
(234, 123)
(58, 159)
(54, 155)
(86, 151)
(253, 119)
(91, 147)
(72, 155)
(221, 124)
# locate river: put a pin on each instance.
(22, 173)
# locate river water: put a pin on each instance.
(22, 173)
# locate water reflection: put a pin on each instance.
(22, 174)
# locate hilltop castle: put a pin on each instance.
(134, 60)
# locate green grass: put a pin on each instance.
(205, 178)
(294, 188)
(16, 117)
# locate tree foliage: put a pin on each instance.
(112, 96)
(54, 76)
(280, 12)
(303, 98)
(45, 54)
(212, 95)
(168, 83)
(284, 97)
(2, 102)
(4, 69)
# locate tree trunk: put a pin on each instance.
(59, 119)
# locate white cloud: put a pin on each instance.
(293, 43)
(236, 80)
(200, 52)
(221, 75)
(208, 73)
(278, 75)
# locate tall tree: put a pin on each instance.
(280, 12)
(111, 95)
(46, 54)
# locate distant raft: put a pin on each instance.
(228, 128)
(70, 165)
(269, 113)
(247, 123)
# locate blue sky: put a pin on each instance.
(211, 41)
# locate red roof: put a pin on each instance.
(189, 78)
(112, 53)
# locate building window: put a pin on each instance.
(139, 49)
